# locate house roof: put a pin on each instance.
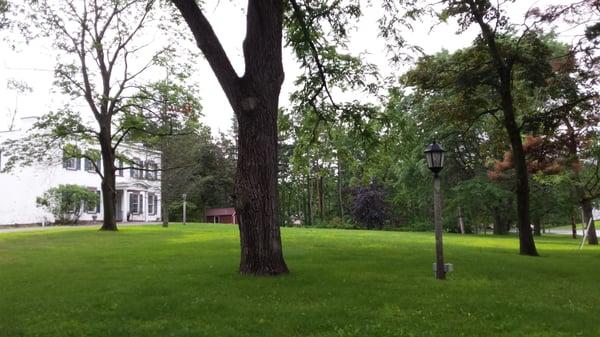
(219, 211)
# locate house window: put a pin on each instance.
(136, 203)
(152, 168)
(119, 170)
(89, 165)
(137, 167)
(151, 204)
(71, 164)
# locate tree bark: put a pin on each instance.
(526, 243)
(586, 206)
(461, 223)
(256, 190)
(340, 198)
(321, 196)
(109, 191)
(537, 226)
(500, 222)
(573, 226)
(309, 208)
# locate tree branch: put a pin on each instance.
(211, 47)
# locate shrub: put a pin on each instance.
(368, 207)
(65, 202)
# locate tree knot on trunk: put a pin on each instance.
(249, 103)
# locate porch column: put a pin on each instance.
(145, 206)
(125, 208)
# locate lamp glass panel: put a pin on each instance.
(437, 159)
(429, 156)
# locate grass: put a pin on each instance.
(182, 281)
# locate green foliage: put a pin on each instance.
(205, 172)
(65, 202)
(162, 109)
(183, 282)
(176, 211)
(4, 8)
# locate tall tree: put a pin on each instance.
(503, 59)
(102, 58)
(489, 18)
(168, 113)
(254, 98)
(570, 119)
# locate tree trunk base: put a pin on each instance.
(592, 237)
(264, 270)
(109, 228)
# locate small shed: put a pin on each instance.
(221, 215)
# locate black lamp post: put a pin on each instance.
(435, 162)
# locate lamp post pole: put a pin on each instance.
(440, 273)
(435, 162)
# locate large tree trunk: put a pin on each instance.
(340, 198)
(256, 191)
(109, 191)
(256, 111)
(321, 196)
(526, 243)
(586, 206)
(309, 208)
(254, 99)
(164, 203)
(501, 224)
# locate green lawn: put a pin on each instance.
(182, 281)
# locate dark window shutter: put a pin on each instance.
(78, 161)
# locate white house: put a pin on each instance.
(138, 190)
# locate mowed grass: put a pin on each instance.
(183, 281)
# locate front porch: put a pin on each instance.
(137, 202)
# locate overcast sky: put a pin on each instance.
(34, 63)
